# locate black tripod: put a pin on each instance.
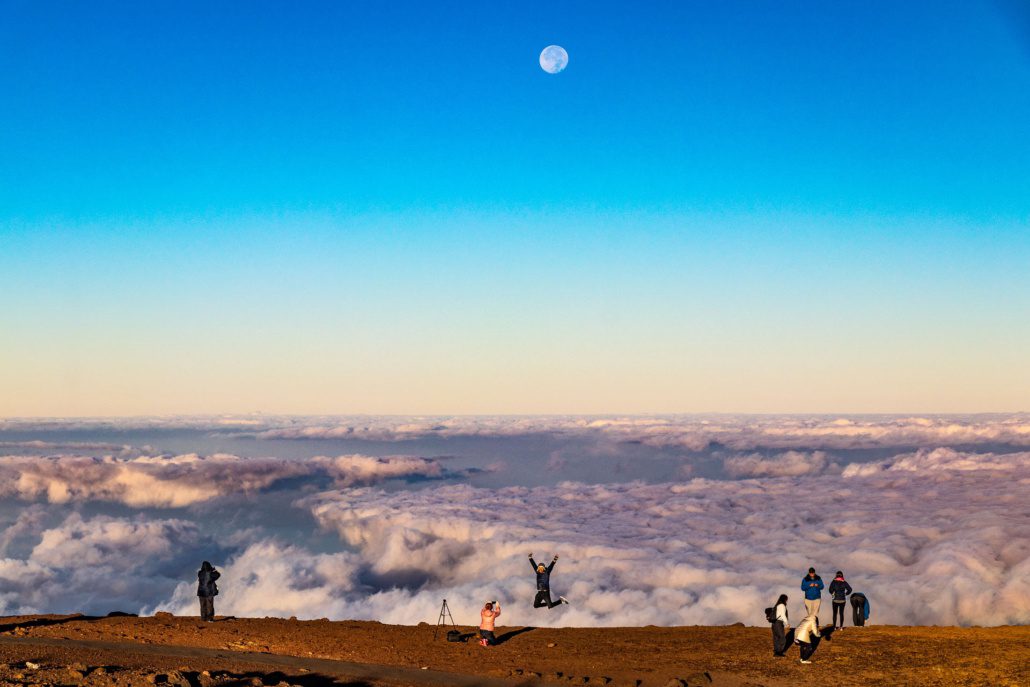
(445, 616)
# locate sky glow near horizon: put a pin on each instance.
(731, 208)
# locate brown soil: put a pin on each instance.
(248, 648)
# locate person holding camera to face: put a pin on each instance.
(487, 616)
(207, 590)
(543, 585)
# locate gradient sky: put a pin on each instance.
(342, 207)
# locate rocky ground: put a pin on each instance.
(79, 650)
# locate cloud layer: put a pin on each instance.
(693, 432)
(929, 538)
(933, 524)
(184, 480)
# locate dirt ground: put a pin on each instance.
(735, 656)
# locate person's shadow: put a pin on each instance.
(43, 622)
(513, 634)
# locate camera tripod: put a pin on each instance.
(445, 616)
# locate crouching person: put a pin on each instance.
(487, 616)
(807, 637)
(859, 609)
(207, 590)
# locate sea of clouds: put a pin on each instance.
(930, 517)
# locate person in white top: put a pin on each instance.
(807, 637)
(780, 626)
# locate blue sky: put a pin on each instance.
(389, 207)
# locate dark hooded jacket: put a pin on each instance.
(839, 589)
(206, 577)
(543, 579)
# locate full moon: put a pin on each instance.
(553, 59)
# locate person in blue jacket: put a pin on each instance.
(543, 585)
(812, 586)
(839, 590)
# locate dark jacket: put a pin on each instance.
(543, 579)
(839, 589)
(206, 577)
(812, 587)
(859, 599)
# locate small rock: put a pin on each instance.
(533, 674)
(699, 679)
(75, 675)
(31, 666)
(551, 645)
(257, 682)
(425, 667)
(515, 671)
(177, 679)
(600, 680)
(293, 618)
(676, 682)
(164, 615)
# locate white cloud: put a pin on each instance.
(787, 464)
(184, 480)
(927, 549)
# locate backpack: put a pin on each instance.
(770, 615)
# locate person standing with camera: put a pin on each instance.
(487, 616)
(207, 590)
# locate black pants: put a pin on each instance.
(779, 638)
(838, 609)
(807, 650)
(543, 598)
(207, 608)
(858, 611)
(488, 635)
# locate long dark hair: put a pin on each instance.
(782, 600)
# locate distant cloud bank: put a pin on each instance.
(933, 524)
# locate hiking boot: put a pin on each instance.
(804, 661)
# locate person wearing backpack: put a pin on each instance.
(207, 590)
(777, 615)
(839, 590)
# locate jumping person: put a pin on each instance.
(859, 608)
(207, 590)
(490, 612)
(839, 590)
(807, 637)
(812, 586)
(543, 585)
(780, 626)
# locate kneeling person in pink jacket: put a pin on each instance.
(490, 612)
